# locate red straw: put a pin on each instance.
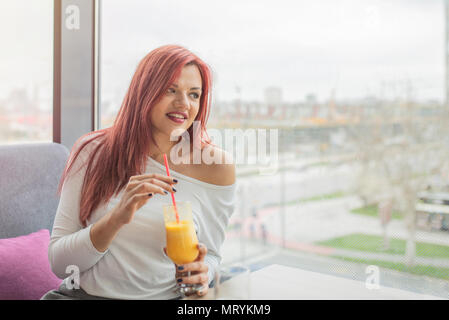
(172, 194)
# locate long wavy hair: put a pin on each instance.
(123, 148)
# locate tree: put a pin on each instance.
(400, 150)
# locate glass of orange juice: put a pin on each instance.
(182, 242)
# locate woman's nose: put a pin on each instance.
(181, 100)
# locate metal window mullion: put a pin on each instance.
(97, 58)
(76, 74)
(57, 71)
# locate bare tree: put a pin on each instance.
(398, 153)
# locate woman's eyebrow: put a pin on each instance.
(193, 88)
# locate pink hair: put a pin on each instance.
(124, 147)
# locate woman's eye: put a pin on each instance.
(193, 94)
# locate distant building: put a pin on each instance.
(273, 101)
(312, 107)
(273, 96)
(311, 99)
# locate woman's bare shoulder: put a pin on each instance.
(219, 165)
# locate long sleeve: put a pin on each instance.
(217, 211)
(70, 243)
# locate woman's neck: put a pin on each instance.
(162, 145)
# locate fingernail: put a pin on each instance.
(174, 189)
(181, 268)
(179, 280)
(150, 194)
(175, 181)
(165, 191)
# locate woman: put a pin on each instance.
(109, 223)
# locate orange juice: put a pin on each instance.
(181, 241)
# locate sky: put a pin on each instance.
(350, 47)
(26, 45)
(354, 48)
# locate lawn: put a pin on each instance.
(373, 211)
(373, 243)
(436, 272)
(338, 194)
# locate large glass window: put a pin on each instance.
(26, 71)
(355, 91)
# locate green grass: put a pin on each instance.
(328, 196)
(373, 243)
(436, 272)
(287, 168)
(318, 164)
(373, 211)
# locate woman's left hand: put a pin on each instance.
(198, 272)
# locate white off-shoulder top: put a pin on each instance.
(135, 266)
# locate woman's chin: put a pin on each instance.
(178, 126)
(176, 131)
(172, 129)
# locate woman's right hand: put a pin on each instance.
(137, 192)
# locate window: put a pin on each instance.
(356, 92)
(26, 82)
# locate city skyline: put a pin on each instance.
(39, 95)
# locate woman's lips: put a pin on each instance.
(176, 120)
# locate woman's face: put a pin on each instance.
(179, 105)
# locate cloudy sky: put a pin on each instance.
(303, 46)
(26, 45)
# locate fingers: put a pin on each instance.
(203, 251)
(198, 272)
(162, 185)
(151, 185)
(201, 278)
(198, 267)
(166, 179)
(141, 197)
(136, 201)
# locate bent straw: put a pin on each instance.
(172, 194)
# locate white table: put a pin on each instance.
(277, 282)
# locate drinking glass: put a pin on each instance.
(182, 242)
